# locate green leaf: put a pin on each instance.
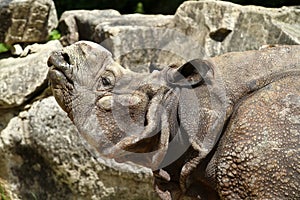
(139, 8)
(4, 48)
(3, 194)
(54, 35)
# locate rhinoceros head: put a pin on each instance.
(122, 114)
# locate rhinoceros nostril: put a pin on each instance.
(53, 60)
(66, 58)
(49, 62)
(59, 60)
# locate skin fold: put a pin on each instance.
(223, 128)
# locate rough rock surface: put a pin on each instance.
(80, 24)
(23, 77)
(42, 156)
(224, 27)
(26, 21)
(143, 42)
(128, 37)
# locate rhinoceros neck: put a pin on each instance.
(242, 73)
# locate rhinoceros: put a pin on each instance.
(225, 127)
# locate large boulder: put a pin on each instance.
(128, 37)
(80, 24)
(22, 78)
(144, 42)
(42, 157)
(26, 21)
(224, 27)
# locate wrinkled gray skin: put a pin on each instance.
(224, 128)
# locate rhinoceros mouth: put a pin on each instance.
(60, 78)
(60, 70)
(57, 78)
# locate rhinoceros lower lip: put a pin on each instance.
(58, 76)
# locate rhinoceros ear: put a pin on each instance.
(192, 73)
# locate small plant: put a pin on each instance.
(4, 48)
(3, 194)
(33, 196)
(54, 35)
(139, 8)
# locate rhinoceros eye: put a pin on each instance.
(106, 81)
